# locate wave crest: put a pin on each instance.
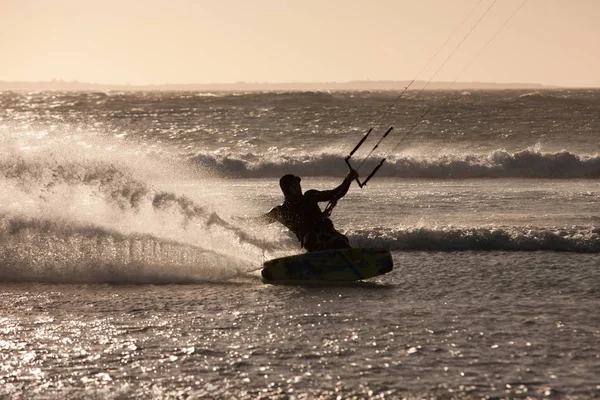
(576, 239)
(497, 164)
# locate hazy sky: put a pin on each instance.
(553, 42)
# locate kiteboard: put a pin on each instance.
(339, 265)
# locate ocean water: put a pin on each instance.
(128, 269)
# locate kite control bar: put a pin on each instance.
(363, 183)
(332, 203)
(362, 140)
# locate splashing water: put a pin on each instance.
(81, 209)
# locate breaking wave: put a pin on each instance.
(497, 164)
(576, 239)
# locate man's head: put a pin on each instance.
(290, 185)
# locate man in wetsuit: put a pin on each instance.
(300, 213)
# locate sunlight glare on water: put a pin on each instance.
(129, 257)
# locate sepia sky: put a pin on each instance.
(554, 42)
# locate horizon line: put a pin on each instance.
(367, 84)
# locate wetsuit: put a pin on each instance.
(302, 216)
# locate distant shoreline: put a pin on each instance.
(59, 85)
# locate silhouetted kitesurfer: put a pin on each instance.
(301, 214)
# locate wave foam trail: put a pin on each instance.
(500, 163)
(100, 218)
(46, 251)
(574, 239)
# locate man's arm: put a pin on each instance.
(333, 194)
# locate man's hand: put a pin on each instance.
(352, 175)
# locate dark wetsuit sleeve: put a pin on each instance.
(329, 195)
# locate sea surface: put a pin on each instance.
(129, 267)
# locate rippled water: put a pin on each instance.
(127, 270)
(442, 324)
